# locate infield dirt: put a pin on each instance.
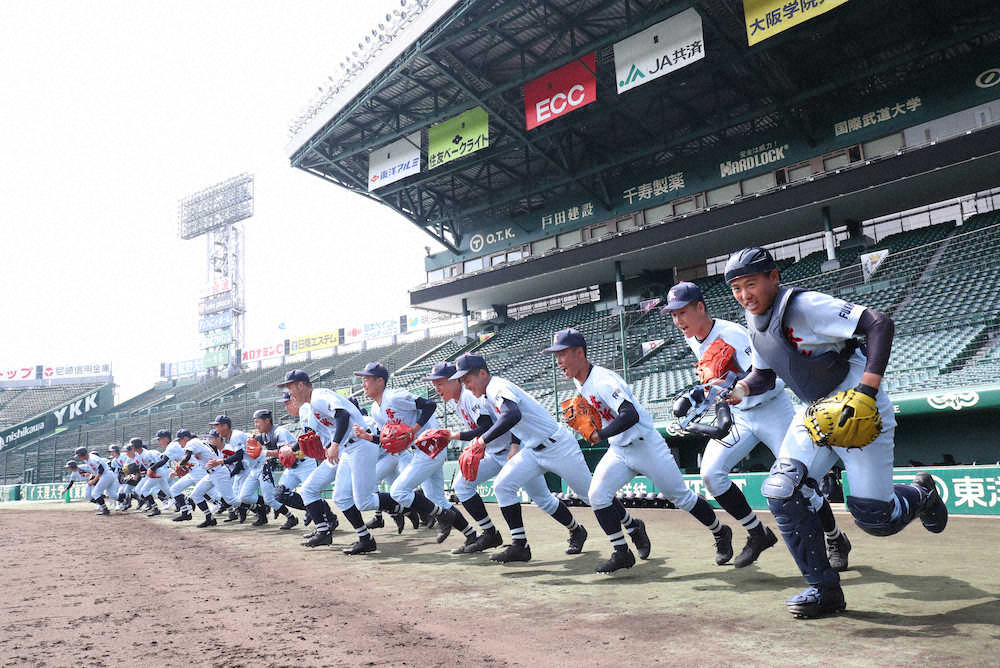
(86, 590)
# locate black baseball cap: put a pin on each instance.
(681, 295)
(295, 376)
(263, 414)
(80, 452)
(163, 433)
(114, 448)
(136, 442)
(753, 260)
(184, 433)
(442, 371)
(566, 338)
(467, 363)
(222, 419)
(213, 434)
(374, 369)
(72, 464)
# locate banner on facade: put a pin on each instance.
(561, 91)
(394, 162)
(767, 18)
(659, 50)
(458, 137)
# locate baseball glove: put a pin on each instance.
(848, 419)
(131, 474)
(433, 441)
(581, 416)
(253, 448)
(396, 437)
(310, 445)
(228, 452)
(287, 456)
(182, 470)
(716, 361)
(468, 461)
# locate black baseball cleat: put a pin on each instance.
(208, 522)
(933, 513)
(307, 521)
(445, 520)
(577, 537)
(309, 535)
(428, 521)
(837, 550)
(414, 518)
(513, 552)
(334, 521)
(816, 602)
(469, 540)
(154, 512)
(290, 521)
(755, 545)
(619, 559)
(242, 512)
(319, 538)
(399, 520)
(640, 539)
(723, 545)
(375, 523)
(183, 517)
(104, 511)
(487, 540)
(232, 517)
(362, 546)
(261, 519)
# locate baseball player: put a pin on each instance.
(209, 457)
(721, 346)
(115, 464)
(299, 386)
(395, 406)
(806, 339)
(100, 477)
(75, 476)
(171, 451)
(233, 450)
(546, 445)
(152, 484)
(388, 466)
(269, 439)
(129, 478)
(635, 447)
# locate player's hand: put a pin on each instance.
(361, 433)
(270, 454)
(333, 452)
(212, 463)
(454, 436)
(477, 442)
(738, 393)
(595, 438)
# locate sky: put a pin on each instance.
(111, 112)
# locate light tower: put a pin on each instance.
(216, 212)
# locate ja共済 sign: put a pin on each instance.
(659, 50)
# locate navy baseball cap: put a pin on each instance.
(263, 414)
(467, 363)
(72, 465)
(566, 338)
(163, 433)
(442, 371)
(222, 419)
(213, 434)
(295, 376)
(286, 396)
(136, 442)
(184, 433)
(681, 295)
(374, 369)
(114, 448)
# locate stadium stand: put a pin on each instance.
(945, 338)
(17, 405)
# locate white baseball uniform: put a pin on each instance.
(546, 445)
(399, 406)
(762, 418)
(217, 477)
(638, 450)
(97, 466)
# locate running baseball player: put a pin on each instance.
(152, 485)
(399, 411)
(546, 445)
(115, 464)
(267, 439)
(388, 466)
(721, 346)
(807, 340)
(241, 467)
(635, 447)
(99, 478)
(209, 457)
(171, 451)
(299, 386)
(75, 475)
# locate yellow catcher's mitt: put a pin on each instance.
(581, 416)
(716, 361)
(848, 419)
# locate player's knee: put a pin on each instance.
(873, 516)
(464, 489)
(786, 476)
(716, 482)
(401, 494)
(282, 494)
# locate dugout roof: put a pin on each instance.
(480, 53)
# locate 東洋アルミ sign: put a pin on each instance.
(560, 91)
(394, 162)
(659, 50)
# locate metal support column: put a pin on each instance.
(620, 290)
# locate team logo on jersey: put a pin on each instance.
(323, 421)
(601, 408)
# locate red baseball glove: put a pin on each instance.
(716, 361)
(182, 470)
(310, 445)
(433, 441)
(396, 437)
(253, 448)
(287, 456)
(468, 461)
